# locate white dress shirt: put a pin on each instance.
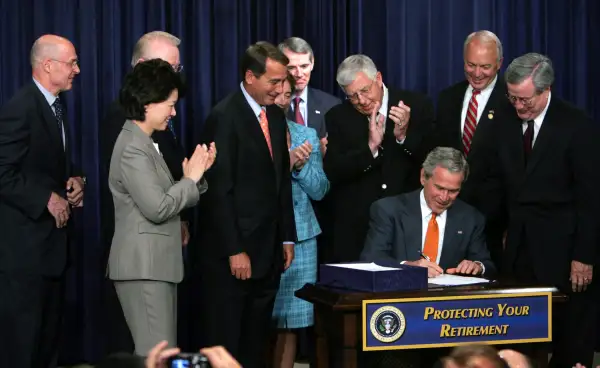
(537, 122)
(482, 100)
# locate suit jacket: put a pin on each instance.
(550, 200)
(358, 179)
(33, 164)
(110, 128)
(147, 240)
(317, 105)
(249, 208)
(310, 183)
(395, 233)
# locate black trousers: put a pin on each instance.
(237, 314)
(31, 311)
(573, 323)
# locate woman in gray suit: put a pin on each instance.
(145, 261)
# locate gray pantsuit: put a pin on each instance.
(145, 259)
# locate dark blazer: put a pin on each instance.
(447, 132)
(550, 201)
(317, 105)
(33, 163)
(110, 128)
(249, 206)
(357, 179)
(395, 233)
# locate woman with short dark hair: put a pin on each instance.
(145, 261)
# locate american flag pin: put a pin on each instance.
(460, 232)
(317, 112)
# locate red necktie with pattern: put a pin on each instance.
(470, 123)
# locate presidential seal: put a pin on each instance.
(387, 324)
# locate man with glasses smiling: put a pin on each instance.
(375, 150)
(545, 170)
(37, 190)
(152, 45)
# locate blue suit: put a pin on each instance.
(310, 183)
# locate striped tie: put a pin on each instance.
(470, 123)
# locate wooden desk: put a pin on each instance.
(338, 314)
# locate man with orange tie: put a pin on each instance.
(246, 222)
(431, 227)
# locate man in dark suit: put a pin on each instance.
(153, 45)
(309, 105)
(375, 150)
(246, 220)
(37, 188)
(545, 170)
(465, 114)
(431, 227)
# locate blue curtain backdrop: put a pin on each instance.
(416, 44)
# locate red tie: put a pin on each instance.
(470, 123)
(299, 118)
(264, 126)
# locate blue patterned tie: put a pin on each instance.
(58, 112)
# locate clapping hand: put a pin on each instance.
(376, 129)
(194, 167)
(212, 156)
(300, 155)
(400, 115)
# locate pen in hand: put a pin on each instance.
(426, 257)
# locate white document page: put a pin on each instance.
(455, 280)
(363, 266)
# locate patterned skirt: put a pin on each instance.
(289, 311)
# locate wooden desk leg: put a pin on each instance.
(338, 339)
(321, 346)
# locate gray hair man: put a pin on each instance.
(308, 105)
(418, 228)
(466, 114)
(545, 173)
(376, 147)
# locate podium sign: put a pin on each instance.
(456, 320)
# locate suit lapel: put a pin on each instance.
(50, 119)
(413, 224)
(450, 234)
(457, 105)
(149, 145)
(313, 109)
(542, 141)
(276, 125)
(251, 124)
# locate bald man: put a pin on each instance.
(37, 191)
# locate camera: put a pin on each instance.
(188, 360)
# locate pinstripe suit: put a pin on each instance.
(308, 184)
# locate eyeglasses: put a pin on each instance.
(361, 92)
(526, 101)
(178, 68)
(73, 64)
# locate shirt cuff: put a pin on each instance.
(482, 267)
(376, 153)
(403, 262)
(401, 142)
(288, 242)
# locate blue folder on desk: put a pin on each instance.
(373, 277)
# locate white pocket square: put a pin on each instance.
(460, 232)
